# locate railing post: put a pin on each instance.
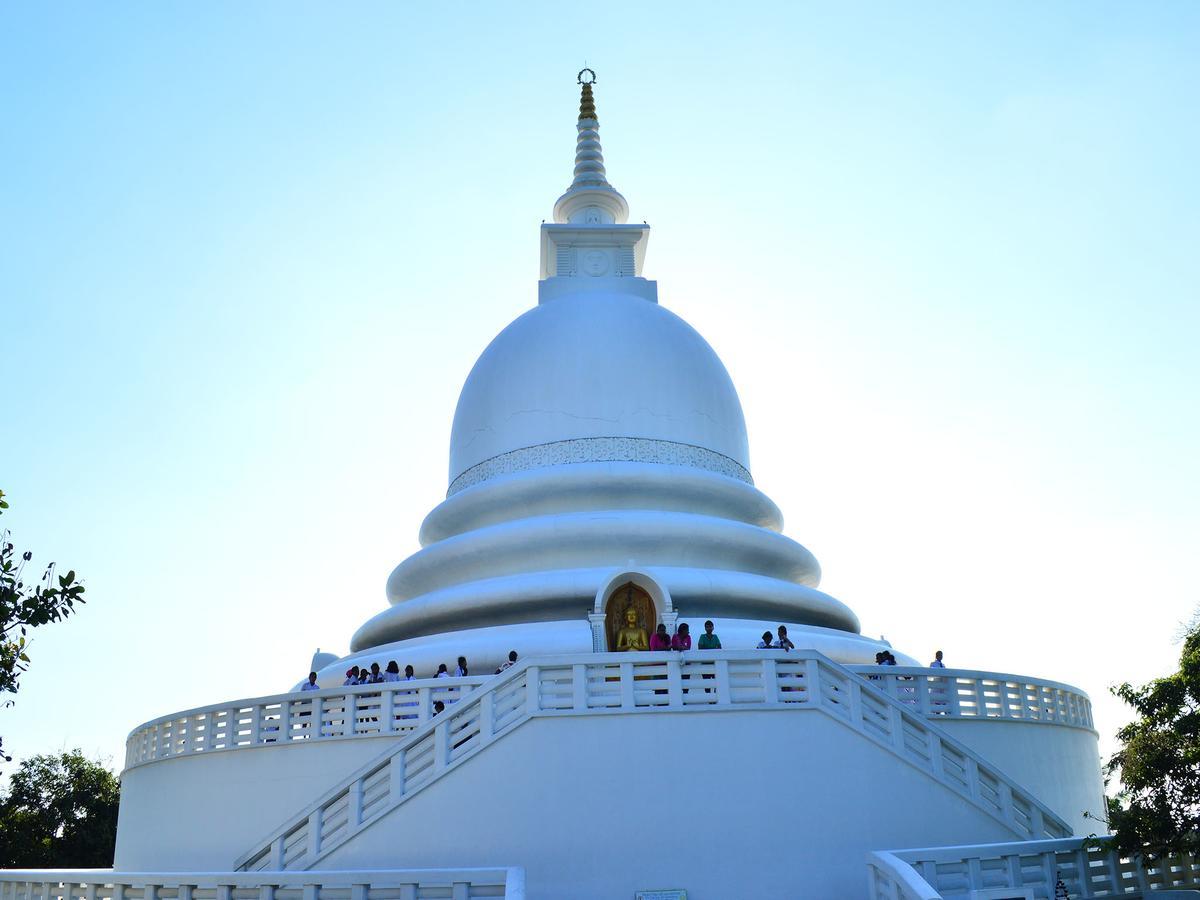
(674, 683)
(316, 716)
(770, 681)
(533, 691)
(354, 800)
(359, 891)
(972, 775)
(396, 777)
(441, 744)
(579, 685)
(724, 691)
(387, 711)
(856, 706)
(812, 678)
(313, 845)
(256, 725)
(285, 721)
(277, 853)
(266, 892)
(424, 705)
(1004, 796)
(896, 723)
(921, 684)
(628, 701)
(934, 742)
(311, 891)
(487, 717)
(1037, 822)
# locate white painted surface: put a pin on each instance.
(655, 684)
(607, 805)
(189, 813)
(596, 364)
(954, 872)
(1059, 765)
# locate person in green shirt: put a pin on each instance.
(708, 640)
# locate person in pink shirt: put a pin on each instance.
(681, 640)
(660, 640)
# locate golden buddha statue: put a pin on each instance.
(632, 636)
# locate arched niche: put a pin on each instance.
(641, 590)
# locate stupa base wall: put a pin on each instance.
(762, 802)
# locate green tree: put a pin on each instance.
(1158, 809)
(23, 607)
(60, 812)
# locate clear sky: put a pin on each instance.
(249, 252)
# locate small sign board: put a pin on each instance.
(674, 894)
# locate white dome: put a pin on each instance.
(587, 367)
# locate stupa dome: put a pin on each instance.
(594, 375)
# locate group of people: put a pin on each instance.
(777, 641)
(887, 658)
(374, 675)
(660, 640)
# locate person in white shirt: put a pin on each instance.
(311, 684)
(441, 672)
(393, 672)
(408, 673)
(783, 643)
(766, 643)
(351, 677)
(461, 670)
(512, 660)
(937, 661)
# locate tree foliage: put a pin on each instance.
(60, 812)
(23, 607)
(1158, 809)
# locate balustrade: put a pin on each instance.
(364, 710)
(966, 693)
(370, 884)
(646, 683)
(1086, 867)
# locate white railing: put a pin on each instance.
(966, 693)
(891, 878)
(1085, 868)
(625, 683)
(363, 711)
(369, 884)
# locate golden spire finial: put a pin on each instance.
(587, 104)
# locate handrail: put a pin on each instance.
(281, 718)
(971, 693)
(624, 683)
(322, 884)
(890, 878)
(1086, 866)
(393, 707)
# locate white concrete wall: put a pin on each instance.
(762, 804)
(200, 812)
(1058, 763)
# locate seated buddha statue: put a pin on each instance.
(632, 636)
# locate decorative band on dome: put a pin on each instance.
(600, 449)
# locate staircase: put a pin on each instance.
(644, 683)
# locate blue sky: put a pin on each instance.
(248, 255)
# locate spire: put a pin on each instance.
(590, 200)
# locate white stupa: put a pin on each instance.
(600, 487)
(598, 442)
